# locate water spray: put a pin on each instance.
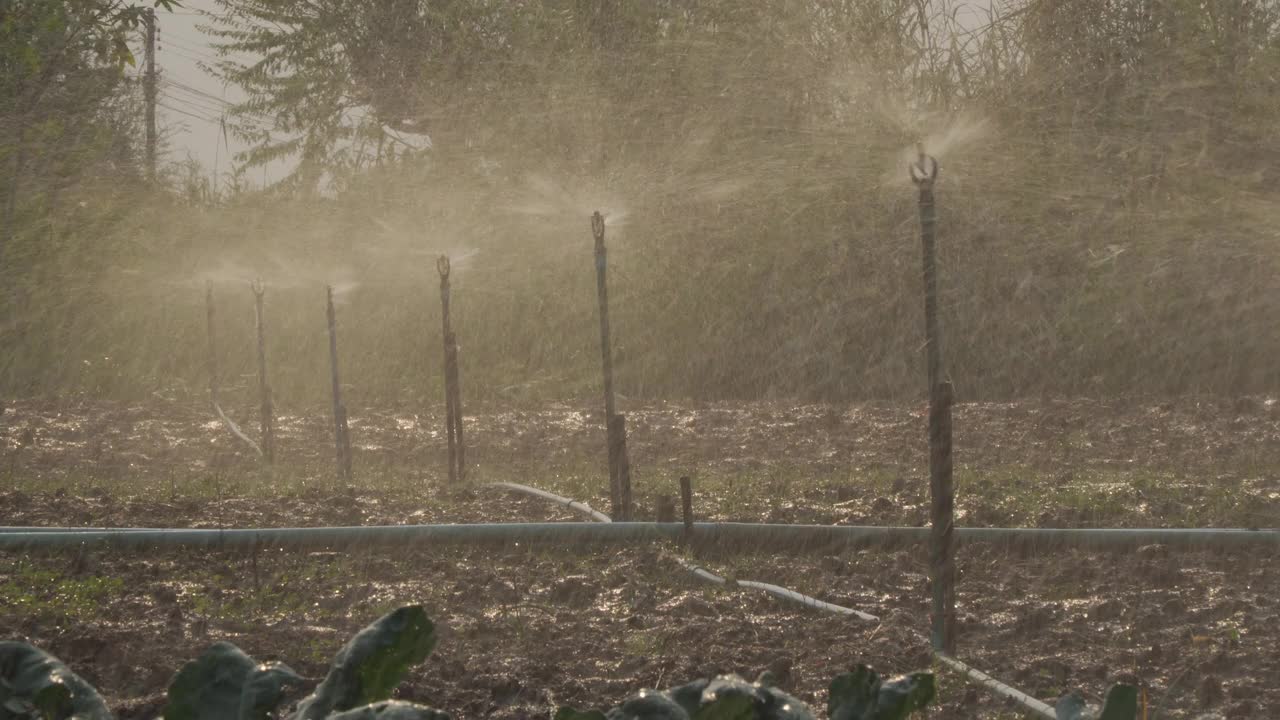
(615, 424)
(924, 171)
(452, 389)
(341, 434)
(264, 388)
(210, 314)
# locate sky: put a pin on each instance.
(192, 102)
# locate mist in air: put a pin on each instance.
(607, 345)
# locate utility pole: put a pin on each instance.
(149, 87)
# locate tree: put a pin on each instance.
(60, 65)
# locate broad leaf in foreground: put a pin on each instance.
(368, 669)
(862, 695)
(224, 683)
(34, 683)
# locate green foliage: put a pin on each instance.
(45, 593)
(224, 682)
(1121, 703)
(372, 664)
(729, 697)
(36, 685)
(863, 695)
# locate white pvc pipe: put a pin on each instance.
(1031, 704)
(235, 429)
(700, 572)
(734, 534)
(583, 508)
(785, 594)
(774, 590)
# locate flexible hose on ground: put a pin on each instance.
(774, 590)
(235, 429)
(583, 508)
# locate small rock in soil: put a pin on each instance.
(1153, 551)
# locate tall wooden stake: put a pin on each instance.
(213, 345)
(942, 564)
(341, 436)
(942, 541)
(455, 382)
(615, 429)
(267, 421)
(452, 385)
(686, 506)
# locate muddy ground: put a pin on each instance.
(529, 629)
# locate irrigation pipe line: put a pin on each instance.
(583, 508)
(1009, 692)
(774, 590)
(25, 529)
(235, 429)
(559, 533)
(701, 572)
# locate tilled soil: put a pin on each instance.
(1081, 463)
(526, 629)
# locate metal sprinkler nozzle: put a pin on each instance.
(442, 266)
(257, 287)
(597, 227)
(925, 169)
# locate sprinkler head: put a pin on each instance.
(925, 168)
(442, 266)
(597, 226)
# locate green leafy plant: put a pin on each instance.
(224, 683)
(34, 684)
(862, 695)
(859, 695)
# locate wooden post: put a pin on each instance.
(267, 421)
(686, 505)
(923, 173)
(455, 385)
(213, 345)
(615, 425)
(602, 300)
(942, 567)
(341, 435)
(452, 393)
(942, 543)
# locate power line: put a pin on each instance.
(188, 114)
(195, 105)
(199, 96)
(218, 104)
